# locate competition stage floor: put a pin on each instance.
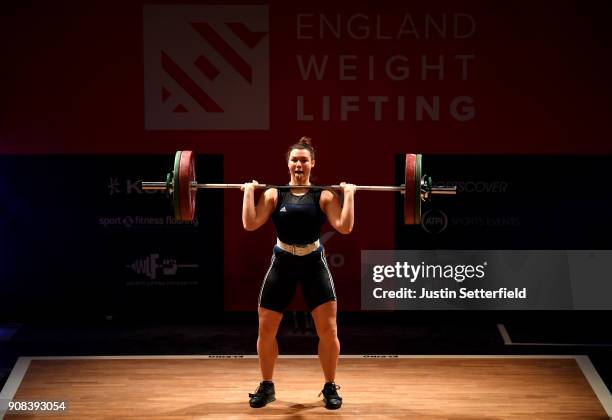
(386, 386)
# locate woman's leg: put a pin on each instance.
(267, 346)
(329, 347)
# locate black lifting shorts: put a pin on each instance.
(287, 270)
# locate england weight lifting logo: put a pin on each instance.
(206, 67)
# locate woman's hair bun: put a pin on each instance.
(303, 143)
(305, 140)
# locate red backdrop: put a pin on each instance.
(537, 79)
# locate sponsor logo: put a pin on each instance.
(117, 186)
(154, 266)
(225, 356)
(129, 222)
(483, 187)
(434, 221)
(380, 356)
(489, 221)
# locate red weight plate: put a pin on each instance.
(187, 195)
(410, 186)
(176, 202)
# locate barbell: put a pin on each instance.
(182, 186)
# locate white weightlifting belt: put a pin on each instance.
(299, 250)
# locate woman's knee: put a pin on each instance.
(268, 324)
(328, 332)
(267, 331)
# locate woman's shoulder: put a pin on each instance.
(270, 197)
(327, 195)
(271, 193)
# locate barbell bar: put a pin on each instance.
(196, 186)
(182, 185)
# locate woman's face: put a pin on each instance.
(300, 164)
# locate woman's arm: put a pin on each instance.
(253, 216)
(340, 216)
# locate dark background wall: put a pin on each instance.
(513, 202)
(81, 240)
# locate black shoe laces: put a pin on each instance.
(260, 391)
(330, 391)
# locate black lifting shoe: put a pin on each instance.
(331, 398)
(265, 394)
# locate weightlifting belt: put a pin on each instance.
(299, 250)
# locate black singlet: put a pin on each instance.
(298, 218)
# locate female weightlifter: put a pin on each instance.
(298, 257)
